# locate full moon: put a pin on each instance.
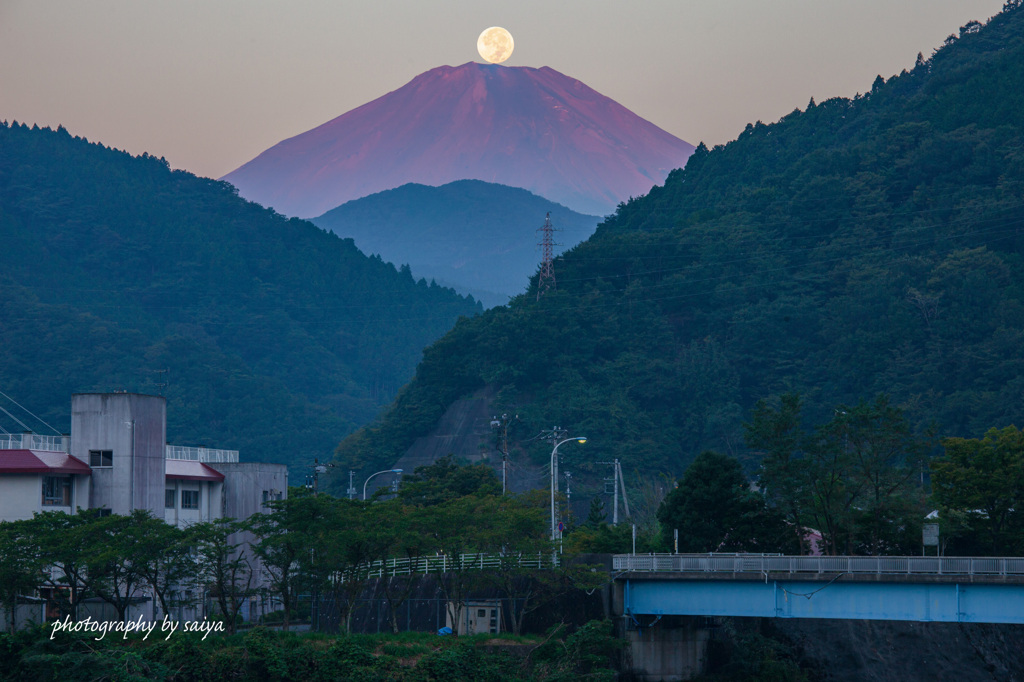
(495, 45)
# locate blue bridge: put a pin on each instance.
(941, 589)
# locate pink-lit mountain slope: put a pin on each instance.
(518, 126)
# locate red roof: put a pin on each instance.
(41, 462)
(188, 470)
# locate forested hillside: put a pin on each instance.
(856, 247)
(265, 334)
(478, 237)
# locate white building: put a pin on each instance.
(117, 459)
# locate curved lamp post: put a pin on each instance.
(554, 475)
(386, 471)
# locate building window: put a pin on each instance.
(169, 498)
(56, 491)
(103, 513)
(101, 458)
(190, 499)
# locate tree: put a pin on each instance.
(340, 550)
(59, 539)
(862, 465)
(225, 565)
(398, 531)
(777, 435)
(445, 480)
(715, 510)
(886, 458)
(284, 538)
(20, 567)
(162, 556)
(116, 548)
(517, 534)
(981, 482)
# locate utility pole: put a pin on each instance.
(546, 277)
(615, 490)
(554, 435)
(351, 485)
(615, 494)
(616, 483)
(622, 484)
(313, 480)
(503, 423)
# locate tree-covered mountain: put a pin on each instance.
(266, 334)
(860, 246)
(478, 237)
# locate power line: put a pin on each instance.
(30, 413)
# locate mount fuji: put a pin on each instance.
(536, 129)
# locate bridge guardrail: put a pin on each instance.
(758, 563)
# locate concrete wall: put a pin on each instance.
(20, 496)
(671, 649)
(243, 487)
(244, 483)
(668, 648)
(211, 502)
(31, 613)
(134, 428)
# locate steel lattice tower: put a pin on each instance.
(546, 278)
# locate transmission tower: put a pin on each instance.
(546, 278)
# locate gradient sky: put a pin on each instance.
(209, 84)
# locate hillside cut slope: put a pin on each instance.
(859, 246)
(523, 127)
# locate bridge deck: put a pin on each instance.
(950, 589)
(895, 566)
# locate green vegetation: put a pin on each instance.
(267, 335)
(979, 488)
(861, 247)
(858, 479)
(714, 510)
(308, 545)
(262, 654)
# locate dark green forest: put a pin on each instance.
(267, 335)
(858, 247)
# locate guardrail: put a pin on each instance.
(442, 563)
(757, 563)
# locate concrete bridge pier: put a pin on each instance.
(669, 648)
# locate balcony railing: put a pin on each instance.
(758, 563)
(32, 441)
(206, 455)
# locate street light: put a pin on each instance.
(386, 471)
(554, 475)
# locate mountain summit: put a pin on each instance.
(523, 127)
